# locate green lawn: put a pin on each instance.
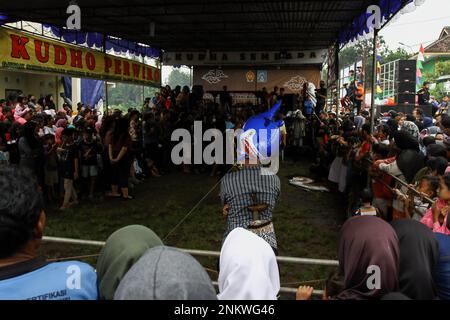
(306, 223)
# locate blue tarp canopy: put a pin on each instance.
(359, 26)
(96, 40)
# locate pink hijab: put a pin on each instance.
(60, 126)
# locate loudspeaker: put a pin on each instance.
(407, 65)
(406, 98)
(406, 87)
(407, 76)
(406, 71)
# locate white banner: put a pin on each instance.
(245, 58)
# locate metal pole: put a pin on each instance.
(143, 86)
(374, 79)
(106, 81)
(106, 97)
(337, 76)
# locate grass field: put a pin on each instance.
(306, 223)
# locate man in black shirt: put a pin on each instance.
(424, 94)
(225, 99)
(274, 95)
(321, 95)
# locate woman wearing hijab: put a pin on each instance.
(248, 268)
(368, 244)
(165, 273)
(419, 252)
(122, 249)
(406, 165)
(31, 151)
(409, 160)
(61, 124)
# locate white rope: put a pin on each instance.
(195, 206)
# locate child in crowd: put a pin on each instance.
(89, 150)
(382, 134)
(50, 166)
(417, 207)
(366, 209)
(49, 127)
(435, 217)
(382, 195)
(68, 153)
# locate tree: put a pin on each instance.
(390, 55)
(178, 78)
(124, 96)
(438, 92)
(362, 51)
(442, 68)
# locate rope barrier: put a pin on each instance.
(74, 257)
(289, 290)
(195, 206)
(303, 282)
(204, 253)
(403, 183)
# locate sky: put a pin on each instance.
(423, 25)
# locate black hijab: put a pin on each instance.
(404, 141)
(419, 251)
(410, 160)
(364, 242)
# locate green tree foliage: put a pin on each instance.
(438, 91)
(178, 78)
(390, 55)
(362, 51)
(442, 68)
(124, 96)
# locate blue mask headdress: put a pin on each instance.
(261, 134)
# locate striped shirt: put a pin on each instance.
(237, 190)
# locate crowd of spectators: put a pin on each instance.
(395, 178)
